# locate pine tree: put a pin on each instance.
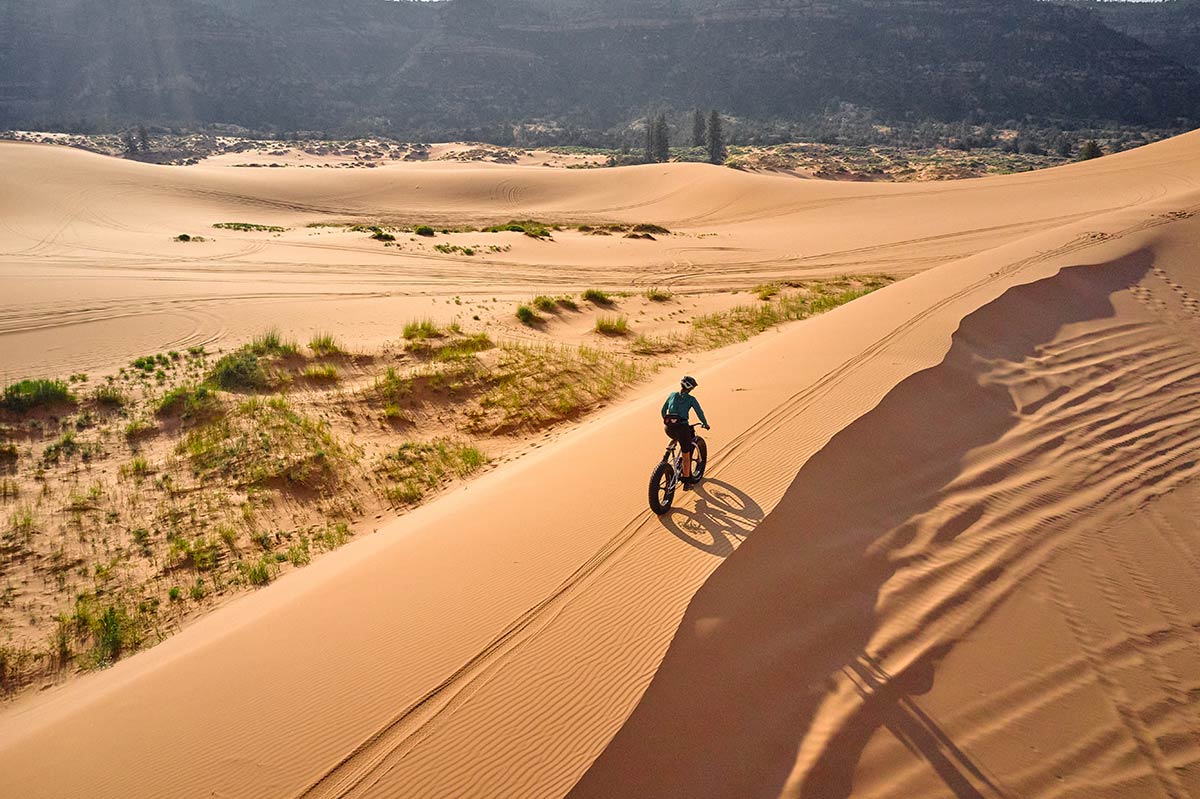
(698, 128)
(1090, 150)
(715, 139)
(143, 138)
(662, 139)
(129, 142)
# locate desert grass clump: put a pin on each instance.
(545, 304)
(767, 291)
(322, 373)
(424, 230)
(271, 343)
(568, 302)
(324, 345)
(527, 315)
(612, 325)
(459, 349)
(258, 572)
(29, 394)
(391, 386)
(598, 297)
(109, 396)
(658, 295)
(188, 402)
(419, 467)
(240, 370)
(421, 329)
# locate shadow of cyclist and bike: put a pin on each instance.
(720, 519)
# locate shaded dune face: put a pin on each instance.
(892, 542)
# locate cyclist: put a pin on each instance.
(675, 414)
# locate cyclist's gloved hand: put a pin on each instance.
(707, 427)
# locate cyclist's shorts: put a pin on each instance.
(680, 431)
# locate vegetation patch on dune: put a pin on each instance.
(249, 227)
(265, 442)
(135, 503)
(30, 394)
(416, 468)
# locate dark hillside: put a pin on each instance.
(373, 65)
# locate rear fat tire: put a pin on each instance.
(660, 499)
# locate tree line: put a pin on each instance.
(707, 133)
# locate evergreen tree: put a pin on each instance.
(651, 122)
(1090, 150)
(129, 142)
(698, 128)
(662, 139)
(715, 139)
(143, 139)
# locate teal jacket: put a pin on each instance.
(680, 404)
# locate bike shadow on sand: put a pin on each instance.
(721, 518)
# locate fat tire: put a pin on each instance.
(662, 473)
(699, 464)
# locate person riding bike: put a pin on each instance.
(675, 415)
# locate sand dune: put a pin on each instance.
(946, 545)
(91, 276)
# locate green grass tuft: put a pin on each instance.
(324, 345)
(421, 329)
(612, 325)
(527, 315)
(597, 297)
(29, 394)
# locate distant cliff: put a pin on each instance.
(406, 66)
(1172, 27)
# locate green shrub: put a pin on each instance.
(567, 302)
(188, 401)
(658, 295)
(240, 370)
(270, 342)
(421, 329)
(612, 325)
(527, 315)
(324, 345)
(424, 230)
(597, 297)
(109, 396)
(544, 303)
(29, 394)
(322, 373)
(380, 235)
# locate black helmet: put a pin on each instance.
(688, 383)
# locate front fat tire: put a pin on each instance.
(699, 463)
(660, 499)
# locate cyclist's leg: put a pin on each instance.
(687, 443)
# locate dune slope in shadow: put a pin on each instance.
(794, 652)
